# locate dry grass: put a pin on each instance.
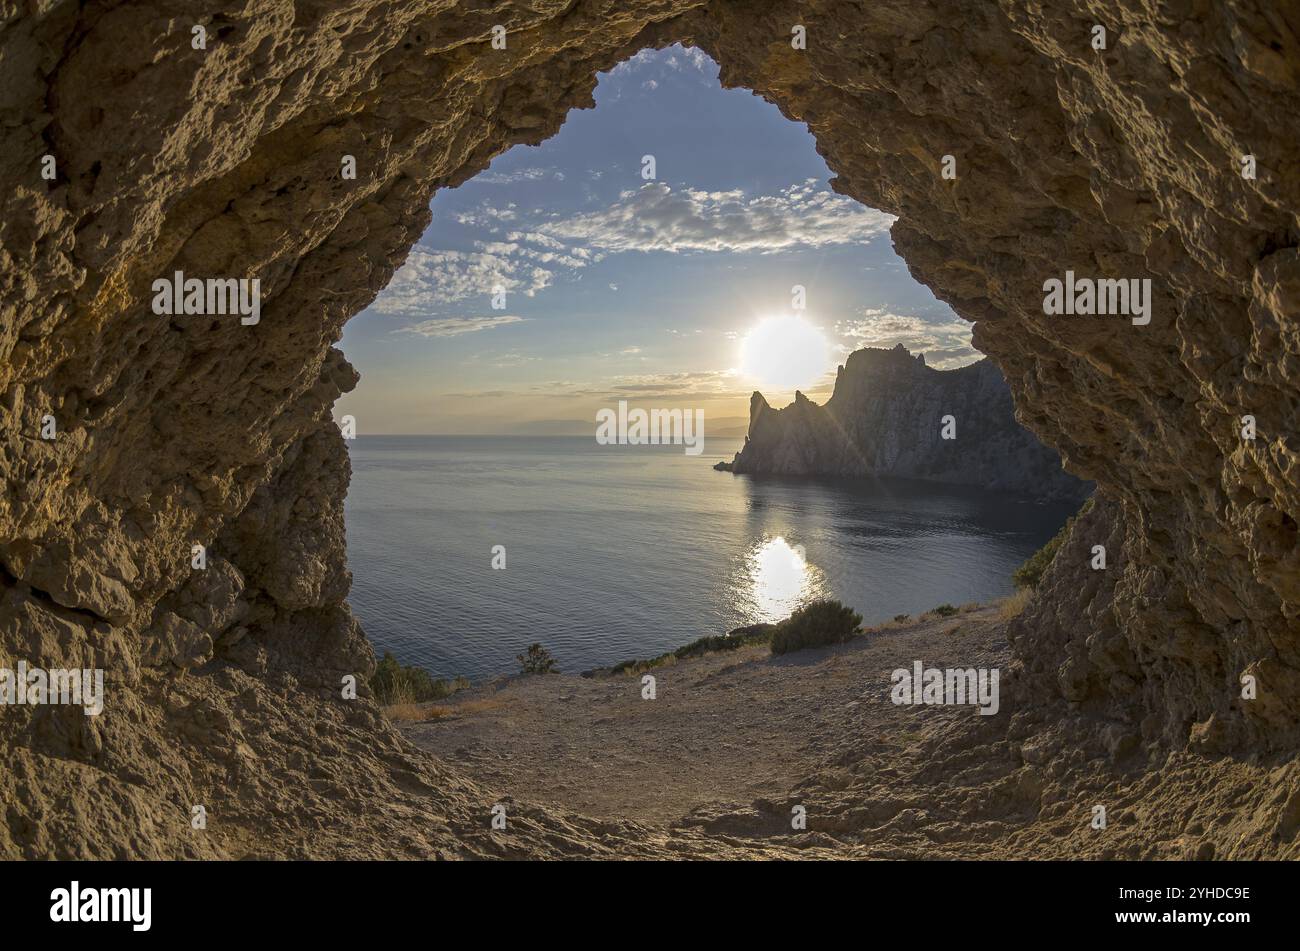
(413, 712)
(421, 712)
(1014, 605)
(942, 611)
(893, 624)
(645, 666)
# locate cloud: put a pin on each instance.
(571, 258)
(692, 385)
(457, 326)
(945, 343)
(535, 237)
(432, 278)
(511, 358)
(657, 218)
(643, 58)
(487, 216)
(519, 175)
(654, 218)
(685, 57)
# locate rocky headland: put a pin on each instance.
(891, 415)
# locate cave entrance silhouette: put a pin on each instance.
(1123, 162)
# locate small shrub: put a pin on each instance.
(1015, 605)
(711, 644)
(415, 712)
(1031, 572)
(536, 660)
(902, 618)
(740, 637)
(394, 683)
(815, 625)
(944, 610)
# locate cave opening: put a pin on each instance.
(674, 251)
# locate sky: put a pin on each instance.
(617, 287)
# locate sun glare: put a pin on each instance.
(779, 579)
(785, 352)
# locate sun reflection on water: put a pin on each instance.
(778, 578)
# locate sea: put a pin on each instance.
(618, 552)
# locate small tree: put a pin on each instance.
(536, 660)
(815, 625)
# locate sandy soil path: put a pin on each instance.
(723, 731)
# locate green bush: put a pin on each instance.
(900, 618)
(713, 643)
(815, 625)
(536, 660)
(740, 637)
(944, 610)
(1031, 572)
(394, 683)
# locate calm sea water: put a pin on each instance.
(615, 552)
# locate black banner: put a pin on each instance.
(1176, 901)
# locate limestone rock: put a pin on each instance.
(887, 416)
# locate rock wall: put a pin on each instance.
(225, 161)
(887, 417)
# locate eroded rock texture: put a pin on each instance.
(888, 416)
(225, 162)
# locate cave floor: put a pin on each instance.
(726, 728)
(734, 742)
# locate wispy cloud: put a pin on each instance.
(432, 278)
(654, 218)
(946, 343)
(519, 175)
(457, 326)
(681, 386)
(488, 216)
(679, 58)
(657, 218)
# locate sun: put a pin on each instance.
(785, 352)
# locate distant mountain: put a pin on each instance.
(886, 418)
(726, 426)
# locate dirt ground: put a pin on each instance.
(733, 744)
(730, 727)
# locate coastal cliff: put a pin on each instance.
(887, 417)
